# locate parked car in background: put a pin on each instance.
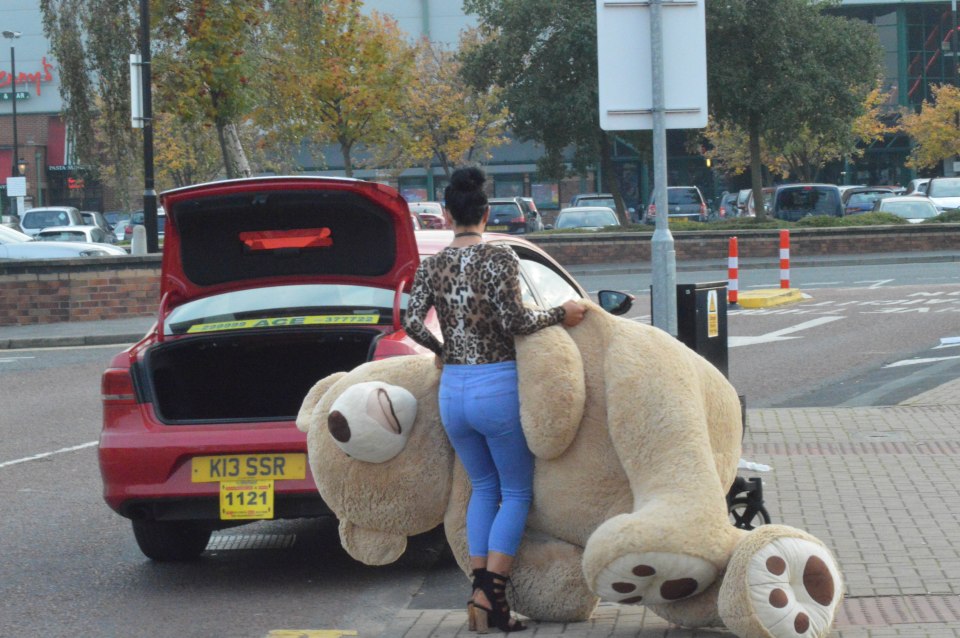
(96, 218)
(917, 186)
(912, 208)
(728, 206)
(593, 199)
(33, 220)
(751, 210)
(862, 198)
(259, 303)
(117, 220)
(742, 196)
(683, 202)
(531, 211)
(89, 234)
(604, 199)
(508, 215)
(586, 218)
(137, 218)
(17, 245)
(430, 214)
(944, 192)
(792, 202)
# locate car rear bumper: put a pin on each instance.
(148, 473)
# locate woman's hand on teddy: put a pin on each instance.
(573, 313)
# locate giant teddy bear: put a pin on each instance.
(637, 440)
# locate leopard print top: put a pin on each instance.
(476, 291)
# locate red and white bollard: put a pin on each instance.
(784, 258)
(733, 268)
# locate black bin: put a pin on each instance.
(702, 320)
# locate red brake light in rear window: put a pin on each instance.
(275, 239)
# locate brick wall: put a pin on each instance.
(48, 291)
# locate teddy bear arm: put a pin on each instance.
(552, 390)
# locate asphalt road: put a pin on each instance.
(71, 567)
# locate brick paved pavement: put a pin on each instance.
(877, 485)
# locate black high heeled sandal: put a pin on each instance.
(494, 587)
(478, 576)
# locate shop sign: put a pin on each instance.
(25, 77)
(21, 95)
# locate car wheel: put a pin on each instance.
(171, 541)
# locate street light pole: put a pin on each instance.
(14, 167)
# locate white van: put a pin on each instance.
(33, 220)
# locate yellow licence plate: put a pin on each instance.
(246, 500)
(492, 228)
(233, 467)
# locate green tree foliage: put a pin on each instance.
(935, 129)
(783, 69)
(543, 54)
(807, 151)
(203, 65)
(91, 41)
(451, 121)
(339, 76)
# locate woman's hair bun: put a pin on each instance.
(468, 179)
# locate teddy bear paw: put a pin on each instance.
(786, 588)
(653, 577)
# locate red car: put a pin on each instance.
(267, 286)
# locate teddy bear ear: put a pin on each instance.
(372, 421)
(313, 398)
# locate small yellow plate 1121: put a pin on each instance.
(246, 499)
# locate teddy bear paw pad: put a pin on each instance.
(794, 588)
(653, 577)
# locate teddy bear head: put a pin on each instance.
(379, 455)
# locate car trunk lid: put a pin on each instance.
(258, 232)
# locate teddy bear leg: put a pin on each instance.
(781, 583)
(547, 582)
(640, 558)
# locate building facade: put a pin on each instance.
(919, 39)
(41, 153)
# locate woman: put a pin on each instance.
(475, 288)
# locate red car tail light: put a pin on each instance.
(116, 387)
(652, 210)
(392, 345)
(703, 212)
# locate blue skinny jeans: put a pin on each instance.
(480, 410)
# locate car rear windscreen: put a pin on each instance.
(684, 196)
(811, 200)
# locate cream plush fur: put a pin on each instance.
(636, 439)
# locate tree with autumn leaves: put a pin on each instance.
(935, 129)
(806, 151)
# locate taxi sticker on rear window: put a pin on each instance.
(277, 322)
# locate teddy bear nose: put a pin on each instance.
(338, 426)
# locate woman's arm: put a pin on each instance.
(516, 318)
(421, 300)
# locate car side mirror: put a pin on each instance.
(614, 301)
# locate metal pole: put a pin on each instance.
(149, 194)
(14, 169)
(664, 301)
(37, 156)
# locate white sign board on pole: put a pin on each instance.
(16, 186)
(624, 58)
